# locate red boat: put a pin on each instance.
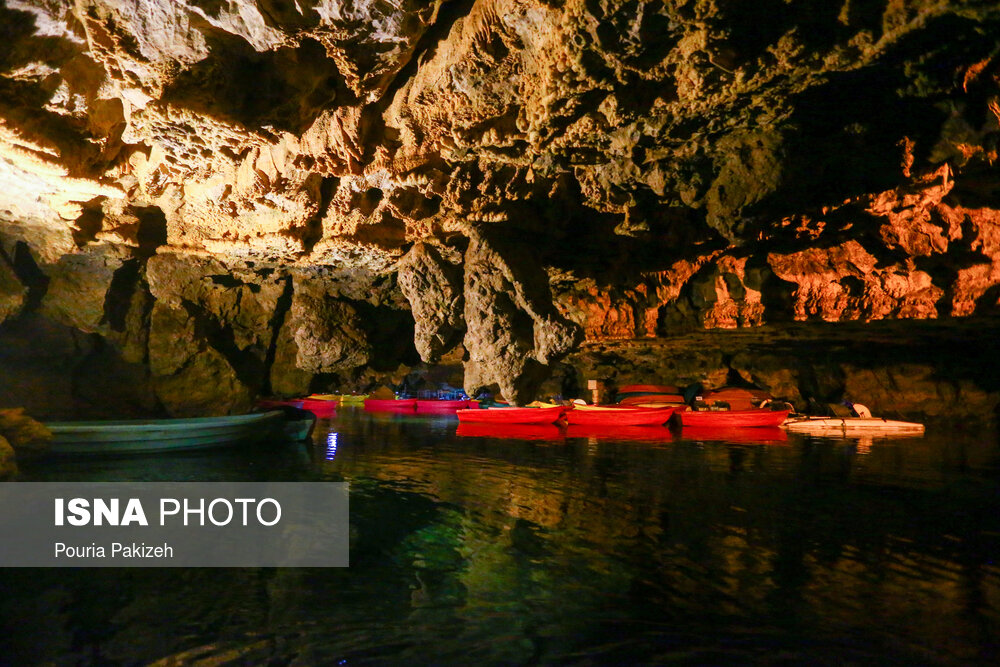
(649, 389)
(390, 404)
(736, 435)
(734, 418)
(320, 408)
(615, 416)
(510, 431)
(512, 415)
(436, 405)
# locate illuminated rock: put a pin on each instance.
(168, 166)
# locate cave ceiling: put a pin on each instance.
(654, 164)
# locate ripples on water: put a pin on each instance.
(554, 547)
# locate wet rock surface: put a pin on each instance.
(19, 435)
(513, 329)
(939, 371)
(243, 198)
(433, 284)
(8, 460)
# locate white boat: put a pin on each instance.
(851, 425)
(161, 435)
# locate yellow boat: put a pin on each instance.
(340, 398)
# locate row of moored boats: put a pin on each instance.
(656, 405)
(639, 407)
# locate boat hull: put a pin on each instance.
(159, 435)
(608, 416)
(853, 425)
(511, 415)
(649, 389)
(641, 400)
(320, 407)
(733, 418)
(394, 405)
(434, 405)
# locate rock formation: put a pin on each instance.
(433, 284)
(514, 331)
(249, 197)
(19, 434)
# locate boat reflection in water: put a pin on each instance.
(621, 433)
(762, 435)
(861, 441)
(510, 431)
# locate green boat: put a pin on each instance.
(143, 436)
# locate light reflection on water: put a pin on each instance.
(570, 547)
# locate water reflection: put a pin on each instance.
(331, 446)
(588, 548)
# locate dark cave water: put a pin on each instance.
(542, 547)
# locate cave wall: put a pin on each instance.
(266, 197)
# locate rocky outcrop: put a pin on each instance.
(917, 370)
(434, 287)
(294, 190)
(327, 333)
(8, 460)
(232, 296)
(19, 434)
(23, 433)
(513, 330)
(78, 286)
(12, 292)
(190, 376)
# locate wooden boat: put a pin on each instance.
(353, 399)
(735, 435)
(734, 418)
(141, 436)
(512, 415)
(651, 400)
(636, 394)
(510, 431)
(590, 415)
(441, 405)
(394, 404)
(850, 425)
